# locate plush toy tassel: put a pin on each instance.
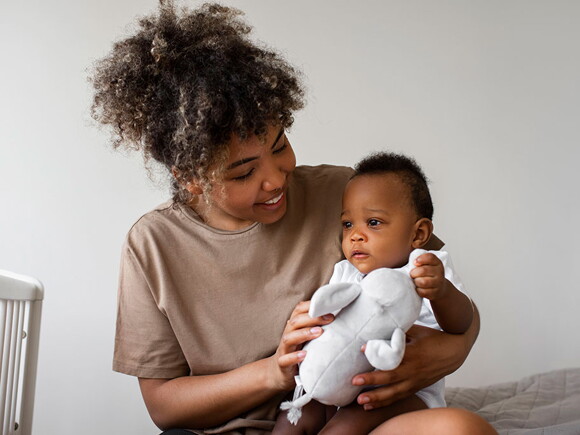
(299, 399)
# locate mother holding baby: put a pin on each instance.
(215, 283)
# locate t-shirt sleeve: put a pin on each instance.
(145, 345)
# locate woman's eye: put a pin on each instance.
(373, 222)
(282, 148)
(245, 176)
(346, 225)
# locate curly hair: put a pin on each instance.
(185, 82)
(408, 170)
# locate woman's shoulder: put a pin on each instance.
(321, 184)
(154, 223)
(322, 172)
(323, 179)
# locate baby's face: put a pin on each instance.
(378, 222)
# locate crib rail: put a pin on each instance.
(20, 310)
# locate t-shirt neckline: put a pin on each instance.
(191, 214)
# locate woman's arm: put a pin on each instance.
(206, 401)
(429, 356)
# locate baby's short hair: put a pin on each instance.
(408, 170)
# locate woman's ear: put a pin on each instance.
(191, 186)
(423, 231)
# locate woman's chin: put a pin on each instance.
(270, 213)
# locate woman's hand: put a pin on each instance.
(299, 329)
(206, 401)
(429, 356)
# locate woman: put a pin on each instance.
(215, 284)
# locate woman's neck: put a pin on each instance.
(215, 217)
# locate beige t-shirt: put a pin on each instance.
(194, 300)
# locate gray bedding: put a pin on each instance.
(547, 403)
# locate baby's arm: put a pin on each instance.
(453, 310)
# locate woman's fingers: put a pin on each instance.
(299, 336)
(378, 377)
(291, 340)
(395, 385)
(300, 308)
(301, 328)
(303, 320)
(291, 359)
(383, 396)
(420, 367)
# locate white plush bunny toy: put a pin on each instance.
(376, 312)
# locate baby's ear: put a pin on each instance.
(423, 231)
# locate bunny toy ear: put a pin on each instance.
(333, 297)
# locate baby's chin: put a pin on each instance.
(367, 268)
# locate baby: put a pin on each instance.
(387, 213)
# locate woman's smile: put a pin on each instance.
(274, 203)
(275, 200)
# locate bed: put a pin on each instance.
(542, 404)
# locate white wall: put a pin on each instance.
(485, 94)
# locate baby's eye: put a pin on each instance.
(347, 225)
(373, 223)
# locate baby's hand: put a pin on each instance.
(429, 277)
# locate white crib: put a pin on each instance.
(20, 312)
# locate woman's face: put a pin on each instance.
(254, 184)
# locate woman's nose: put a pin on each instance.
(274, 179)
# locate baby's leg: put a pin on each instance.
(314, 417)
(353, 419)
(437, 421)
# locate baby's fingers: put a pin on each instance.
(427, 282)
(426, 270)
(427, 259)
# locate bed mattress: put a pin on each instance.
(546, 403)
